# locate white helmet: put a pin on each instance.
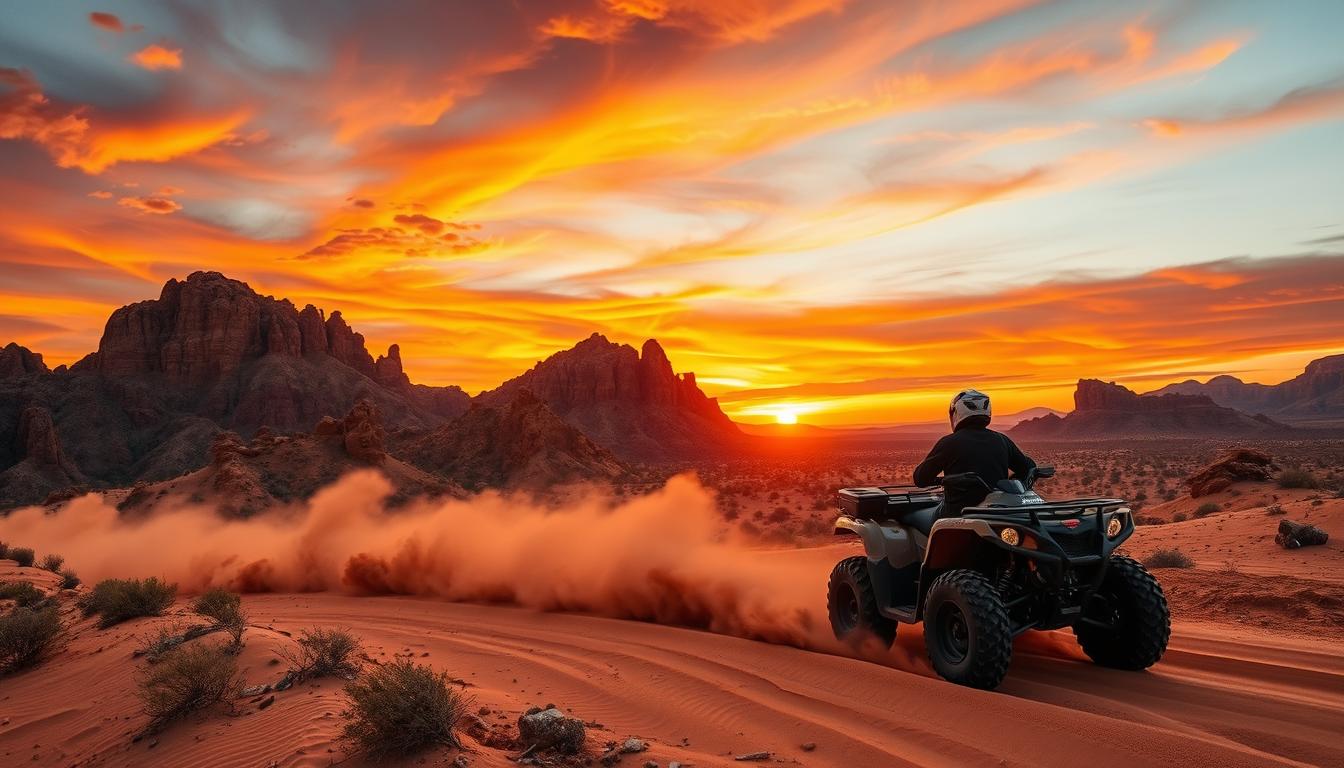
(966, 404)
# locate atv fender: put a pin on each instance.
(955, 543)
(891, 543)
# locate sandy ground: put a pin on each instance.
(1225, 695)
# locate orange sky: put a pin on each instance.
(843, 209)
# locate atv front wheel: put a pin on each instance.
(853, 605)
(966, 630)
(1126, 624)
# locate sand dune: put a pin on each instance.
(1220, 698)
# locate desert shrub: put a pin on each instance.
(68, 579)
(22, 555)
(189, 678)
(26, 635)
(402, 708)
(1168, 558)
(22, 593)
(117, 600)
(226, 608)
(4, 551)
(1274, 509)
(53, 563)
(324, 653)
(1179, 517)
(1296, 477)
(1208, 508)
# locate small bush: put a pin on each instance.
(22, 555)
(53, 563)
(22, 593)
(189, 678)
(401, 708)
(226, 608)
(1168, 558)
(1296, 477)
(1179, 517)
(116, 600)
(68, 579)
(1274, 509)
(324, 653)
(1208, 508)
(26, 635)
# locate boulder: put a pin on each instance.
(1235, 466)
(550, 730)
(1294, 535)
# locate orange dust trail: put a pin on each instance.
(662, 557)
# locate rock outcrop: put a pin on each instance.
(517, 444)
(209, 354)
(245, 477)
(19, 361)
(630, 402)
(39, 467)
(1236, 466)
(1103, 410)
(1314, 396)
(1292, 535)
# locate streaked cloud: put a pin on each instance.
(831, 202)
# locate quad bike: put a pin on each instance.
(1011, 563)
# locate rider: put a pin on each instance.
(972, 447)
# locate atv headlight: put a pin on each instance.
(1010, 536)
(1115, 526)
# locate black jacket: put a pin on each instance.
(973, 448)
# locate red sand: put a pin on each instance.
(1220, 698)
(1227, 693)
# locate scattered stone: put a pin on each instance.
(633, 746)
(550, 729)
(266, 702)
(1295, 535)
(752, 756)
(483, 711)
(252, 690)
(650, 764)
(809, 746)
(460, 762)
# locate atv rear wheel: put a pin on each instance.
(853, 605)
(966, 630)
(1126, 623)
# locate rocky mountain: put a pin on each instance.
(1316, 396)
(630, 402)
(1104, 410)
(520, 443)
(211, 386)
(209, 354)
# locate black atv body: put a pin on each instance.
(979, 576)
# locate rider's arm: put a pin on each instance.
(928, 470)
(1018, 461)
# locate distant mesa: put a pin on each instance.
(1103, 409)
(1313, 398)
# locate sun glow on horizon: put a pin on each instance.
(786, 417)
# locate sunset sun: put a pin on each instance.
(786, 417)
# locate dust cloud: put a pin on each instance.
(662, 557)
